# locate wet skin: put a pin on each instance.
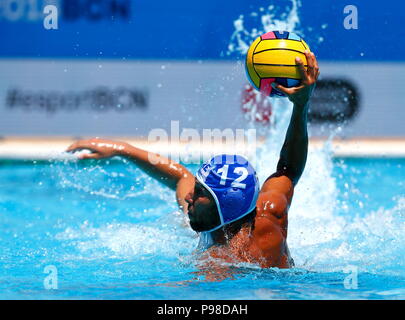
(261, 241)
(202, 210)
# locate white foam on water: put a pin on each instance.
(167, 237)
(373, 243)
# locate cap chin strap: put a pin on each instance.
(200, 180)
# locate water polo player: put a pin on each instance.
(238, 221)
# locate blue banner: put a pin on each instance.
(193, 30)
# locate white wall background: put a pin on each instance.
(198, 94)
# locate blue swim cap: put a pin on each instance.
(233, 183)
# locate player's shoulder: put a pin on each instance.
(272, 203)
(271, 217)
(278, 183)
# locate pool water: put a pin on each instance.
(111, 232)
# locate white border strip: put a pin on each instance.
(53, 148)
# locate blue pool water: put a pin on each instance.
(112, 233)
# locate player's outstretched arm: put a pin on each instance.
(293, 154)
(172, 174)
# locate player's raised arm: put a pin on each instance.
(293, 154)
(172, 174)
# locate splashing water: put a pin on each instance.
(109, 240)
(322, 236)
(283, 16)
